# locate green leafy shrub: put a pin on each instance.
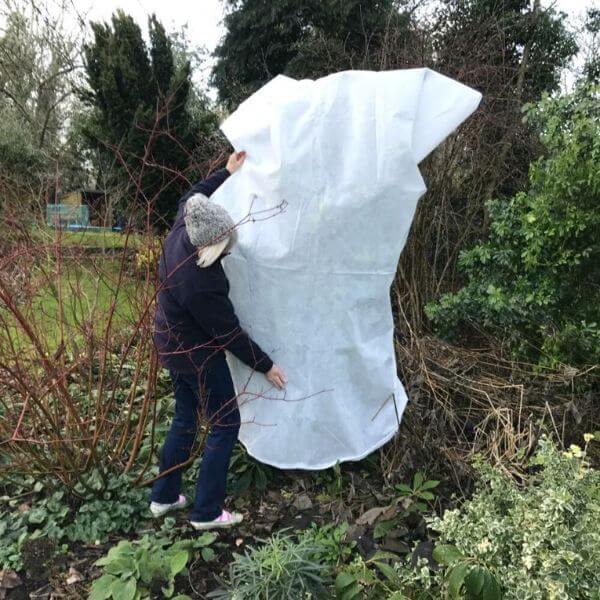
(535, 281)
(279, 569)
(145, 568)
(383, 577)
(531, 542)
(541, 541)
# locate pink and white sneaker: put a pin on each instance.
(158, 510)
(223, 521)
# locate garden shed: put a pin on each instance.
(81, 209)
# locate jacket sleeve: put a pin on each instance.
(213, 311)
(207, 186)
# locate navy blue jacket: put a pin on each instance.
(195, 320)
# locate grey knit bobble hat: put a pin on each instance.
(206, 223)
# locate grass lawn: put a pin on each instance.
(87, 294)
(83, 294)
(87, 239)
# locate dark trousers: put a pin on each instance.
(210, 396)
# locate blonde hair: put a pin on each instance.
(208, 255)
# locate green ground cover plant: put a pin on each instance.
(101, 510)
(331, 543)
(246, 473)
(413, 498)
(146, 568)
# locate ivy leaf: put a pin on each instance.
(37, 515)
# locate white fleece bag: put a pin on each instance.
(325, 201)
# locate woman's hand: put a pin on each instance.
(277, 377)
(235, 161)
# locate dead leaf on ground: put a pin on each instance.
(379, 496)
(302, 502)
(394, 545)
(42, 593)
(369, 517)
(274, 496)
(390, 512)
(355, 532)
(9, 579)
(74, 576)
(341, 512)
(268, 527)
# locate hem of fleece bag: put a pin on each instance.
(325, 465)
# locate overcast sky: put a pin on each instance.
(203, 17)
